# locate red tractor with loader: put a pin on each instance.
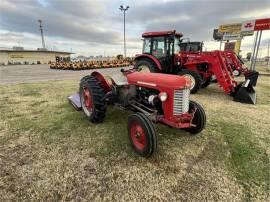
(153, 97)
(162, 54)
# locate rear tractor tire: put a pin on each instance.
(196, 79)
(92, 99)
(145, 65)
(199, 119)
(142, 134)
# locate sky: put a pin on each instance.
(95, 27)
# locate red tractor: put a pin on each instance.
(153, 97)
(162, 53)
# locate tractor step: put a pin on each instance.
(75, 101)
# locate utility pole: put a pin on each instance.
(41, 32)
(124, 11)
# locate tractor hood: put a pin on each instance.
(155, 80)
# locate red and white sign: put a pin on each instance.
(248, 26)
(262, 24)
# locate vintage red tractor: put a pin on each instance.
(162, 53)
(154, 97)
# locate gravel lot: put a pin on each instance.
(32, 73)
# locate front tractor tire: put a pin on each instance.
(92, 99)
(199, 119)
(145, 65)
(142, 134)
(196, 79)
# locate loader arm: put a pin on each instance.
(221, 68)
(223, 73)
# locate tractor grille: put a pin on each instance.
(181, 101)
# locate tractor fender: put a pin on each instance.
(151, 57)
(105, 81)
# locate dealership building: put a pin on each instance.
(18, 55)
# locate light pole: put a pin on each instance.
(41, 32)
(124, 11)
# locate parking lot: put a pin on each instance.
(32, 73)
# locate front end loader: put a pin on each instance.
(162, 53)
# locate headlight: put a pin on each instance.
(163, 96)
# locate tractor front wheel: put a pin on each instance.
(142, 134)
(145, 65)
(196, 79)
(92, 99)
(199, 119)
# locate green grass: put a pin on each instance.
(49, 151)
(248, 161)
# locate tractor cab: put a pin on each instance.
(162, 46)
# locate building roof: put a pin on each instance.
(38, 51)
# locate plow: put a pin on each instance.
(163, 52)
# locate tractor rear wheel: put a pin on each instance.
(196, 79)
(199, 119)
(145, 65)
(91, 96)
(142, 134)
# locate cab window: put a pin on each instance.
(147, 45)
(176, 46)
(159, 47)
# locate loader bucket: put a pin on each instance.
(252, 76)
(245, 93)
(75, 101)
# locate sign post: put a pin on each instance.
(258, 46)
(236, 31)
(253, 52)
(255, 25)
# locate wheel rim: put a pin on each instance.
(236, 72)
(144, 68)
(87, 101)
(193, 82)
(137, 135)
